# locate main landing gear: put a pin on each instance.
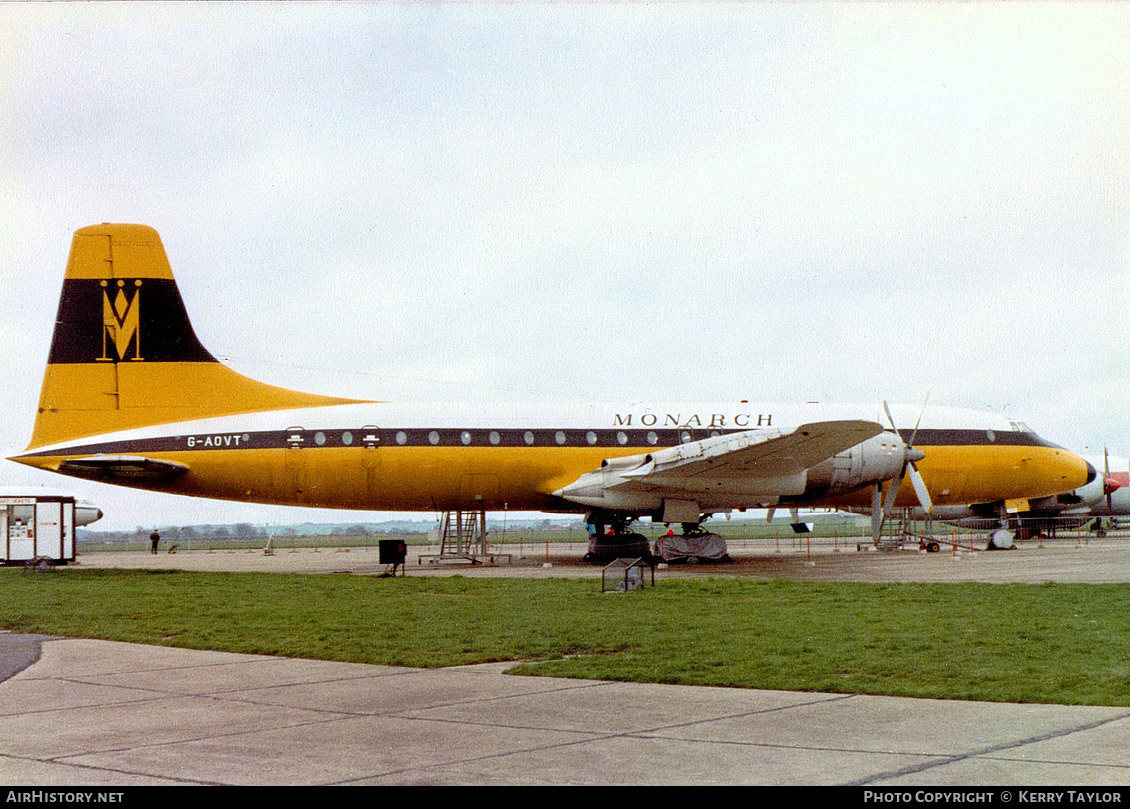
(695, 544)
(611, 537)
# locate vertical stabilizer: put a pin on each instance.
(124, 354)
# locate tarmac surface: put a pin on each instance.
(80, 712)
(1070, 559)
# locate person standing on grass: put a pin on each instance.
(154, 538)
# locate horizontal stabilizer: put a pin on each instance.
(132, 467)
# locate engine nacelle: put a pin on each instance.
(86, 513)
(875, 460)
(1091, 494)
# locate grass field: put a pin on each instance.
(1059, 643)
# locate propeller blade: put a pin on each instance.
(920, 489)
(914, 433)
(876, 513)
(890, 418)
(1106, 474)
(892, 492)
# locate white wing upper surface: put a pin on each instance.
(753, 453)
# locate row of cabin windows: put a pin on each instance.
(494, 437)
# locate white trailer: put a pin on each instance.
(37, 527)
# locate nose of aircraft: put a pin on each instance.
(1092, 473)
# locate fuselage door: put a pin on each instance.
(370, 440)
(295, 463)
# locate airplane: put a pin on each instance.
(85, 511)
(1116, 490)
(1107, 496)
(131, 397)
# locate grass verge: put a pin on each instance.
(1057, 643)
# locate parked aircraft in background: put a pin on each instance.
(85, 512)
(1115, 502)
(1107, 496)
(131, 397)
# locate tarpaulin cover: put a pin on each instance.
(703, 548)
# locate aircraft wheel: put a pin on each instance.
(1000, 540)
(933, 547)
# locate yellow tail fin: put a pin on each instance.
(124, 354)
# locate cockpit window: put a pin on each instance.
(1020, 427)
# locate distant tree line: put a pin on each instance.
(248, 531)
(243, 530)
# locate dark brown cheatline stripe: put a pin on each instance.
(368, 436)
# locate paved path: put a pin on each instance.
(106, 713)
(83, 712)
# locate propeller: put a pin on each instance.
(881, 509)
(1109, 483)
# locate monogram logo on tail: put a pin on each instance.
(120, 321)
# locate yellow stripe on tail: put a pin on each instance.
(124, 354)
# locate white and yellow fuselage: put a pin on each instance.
(425, 457)
(130, 396)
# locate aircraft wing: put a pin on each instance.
(122, 467)
(765, 463)
(753, 453)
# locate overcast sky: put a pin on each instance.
(559, 202)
